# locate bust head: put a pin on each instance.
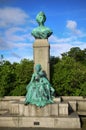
(41, 18)
(41, 32)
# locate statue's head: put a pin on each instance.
(41, 32)
(41, 18)
(38, 68)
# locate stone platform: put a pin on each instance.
(15, 114)
(48, 122)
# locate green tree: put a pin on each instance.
(77, 54)
(14, 77)
(23, 73)
(69, 77)
(7, 79)
(53, 60)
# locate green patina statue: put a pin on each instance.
(41, 32)
(39, 90)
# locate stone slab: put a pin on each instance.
(55, 109)
(48, 122)
(57, 100)
(63, 109)
(9, 121)
(82, 106)
(33, 111)
(14, 108)
(73, 98)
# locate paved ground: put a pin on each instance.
(37, 129)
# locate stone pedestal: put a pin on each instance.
(34, 111)
(54, 115)
(41, 54)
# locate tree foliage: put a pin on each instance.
(69, 78)
(68, 74)
(14, 77)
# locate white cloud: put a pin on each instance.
(61, 45)
(10, 34)
(22, 45)
(58, 49)
(9, 46)
(55, 39)
(15, 55)
(17, 34)
(4, 44)
(13, 59)
(80, 44)
(15, 37)
(72, 26)
(12, 16)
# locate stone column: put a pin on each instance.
(41, 50)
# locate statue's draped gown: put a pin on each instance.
(39, 90)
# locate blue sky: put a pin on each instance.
(67, 19)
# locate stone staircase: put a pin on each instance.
(56, 115)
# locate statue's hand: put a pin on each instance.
(37, 78)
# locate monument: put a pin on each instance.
(39, 90)
(38, 108)
(41, 47)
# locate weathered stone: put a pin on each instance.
(33, 111)
(82, 105)
(9, 121)
(69, 122)
(57, 100)
(63, 109)
(54, 109)
(21, 109)
(26, 111)
(51, 116)
(49, 122)
(11, 107)
(41, 55)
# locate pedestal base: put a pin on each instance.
(56, 115)
(48, 122)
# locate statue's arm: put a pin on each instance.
(33, 78)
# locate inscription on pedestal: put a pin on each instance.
(36, 123)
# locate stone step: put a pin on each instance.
(4, 111)
(58, 108)
(82, 113)
(42, 122)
